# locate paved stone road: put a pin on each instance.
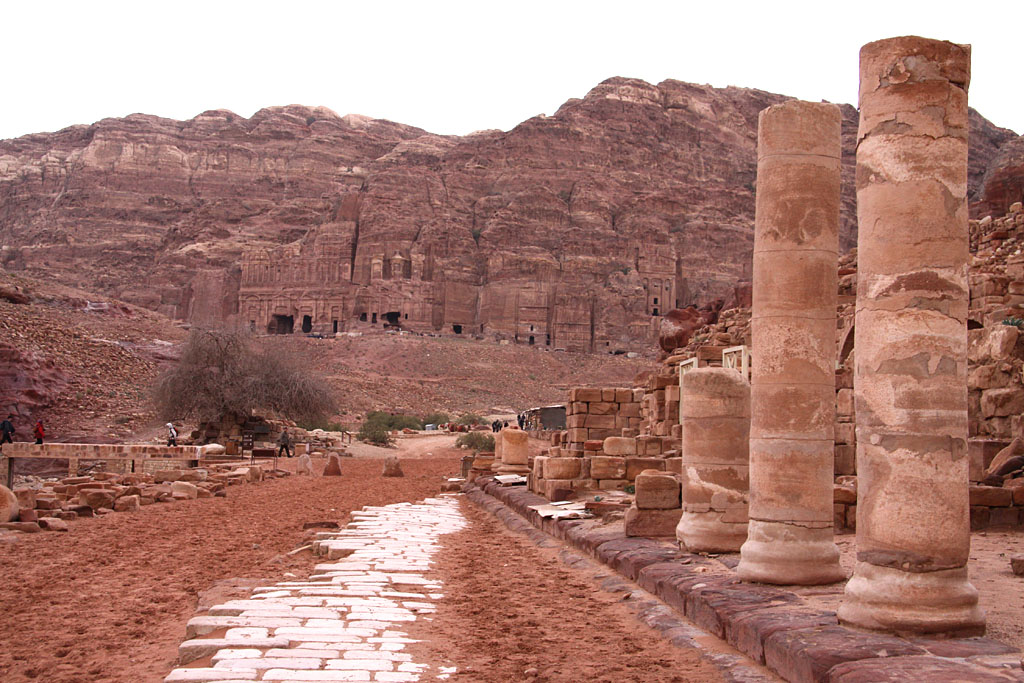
(346, 622)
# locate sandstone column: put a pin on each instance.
(515, 451)
(910, 373)
(793, 397)
(714, 408)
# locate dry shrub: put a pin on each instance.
(225, 374)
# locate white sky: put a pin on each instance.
(456, 67)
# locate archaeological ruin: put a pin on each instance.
(797, 474)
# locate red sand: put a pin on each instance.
(108, 601)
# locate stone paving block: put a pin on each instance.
(208, 674)
(237, 653)
(748, 632)
(963, 647)
(270, 663)
(191, 650)
(898, 669)
(360, 664)
(809, 654)
(198, 626)
(310, 676)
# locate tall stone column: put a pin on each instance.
(793, 396)
(714, 408)
(910, 373)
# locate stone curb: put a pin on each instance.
(766, 623)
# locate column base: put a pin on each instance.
(787, 554)
(908, 603)
(705, 532)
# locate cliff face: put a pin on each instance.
(576, 230)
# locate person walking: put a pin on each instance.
(172, 435)
(284, 443)
(7, 430)
(39, 432)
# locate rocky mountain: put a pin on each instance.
(575, 230)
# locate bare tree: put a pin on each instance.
(225, 374)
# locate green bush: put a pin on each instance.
(1014, 322)
(478, 441)
(436, 419)
(393, 420)
(470, 419)
(375, 433)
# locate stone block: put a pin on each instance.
(674, 465)
(1009, 517)
(846, 495)
(559, 489)
(851, 517)
(585, 394)
(629, 410)
(184, 488)
(578, 435)
(161, 476)
(652, 523)
(96, 498)
(593, 445)
(845, 433)
(844, 402)
(26, 498)
(845, 459)
(636, 465)
(562, 468)
(607, 467)
(649, 445)
(623, 395)
(603, 408)
(1002, 402)
(1017, 564)
(979, 517)
(618, 445)
(576, 421)
(612, 484)
(127, 503)
(657, 491)
(52, 524)
(991, 496)
(992, 343)
(600, 422)
(808, 655)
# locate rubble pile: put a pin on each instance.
(48, 504)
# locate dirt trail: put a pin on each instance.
(514, 612)
(108, 601)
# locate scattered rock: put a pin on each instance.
(52, 524)
(333, 466)
(304, 465)
(1017, 564)
(9, 506)
(97, 498)
(392, 467)
(128, 503)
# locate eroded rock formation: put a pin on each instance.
(577, 230)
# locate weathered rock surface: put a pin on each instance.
(9, 506)
(574, 229)
(392, 467)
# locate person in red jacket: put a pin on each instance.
(39, 432)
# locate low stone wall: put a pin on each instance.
(597, 413)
